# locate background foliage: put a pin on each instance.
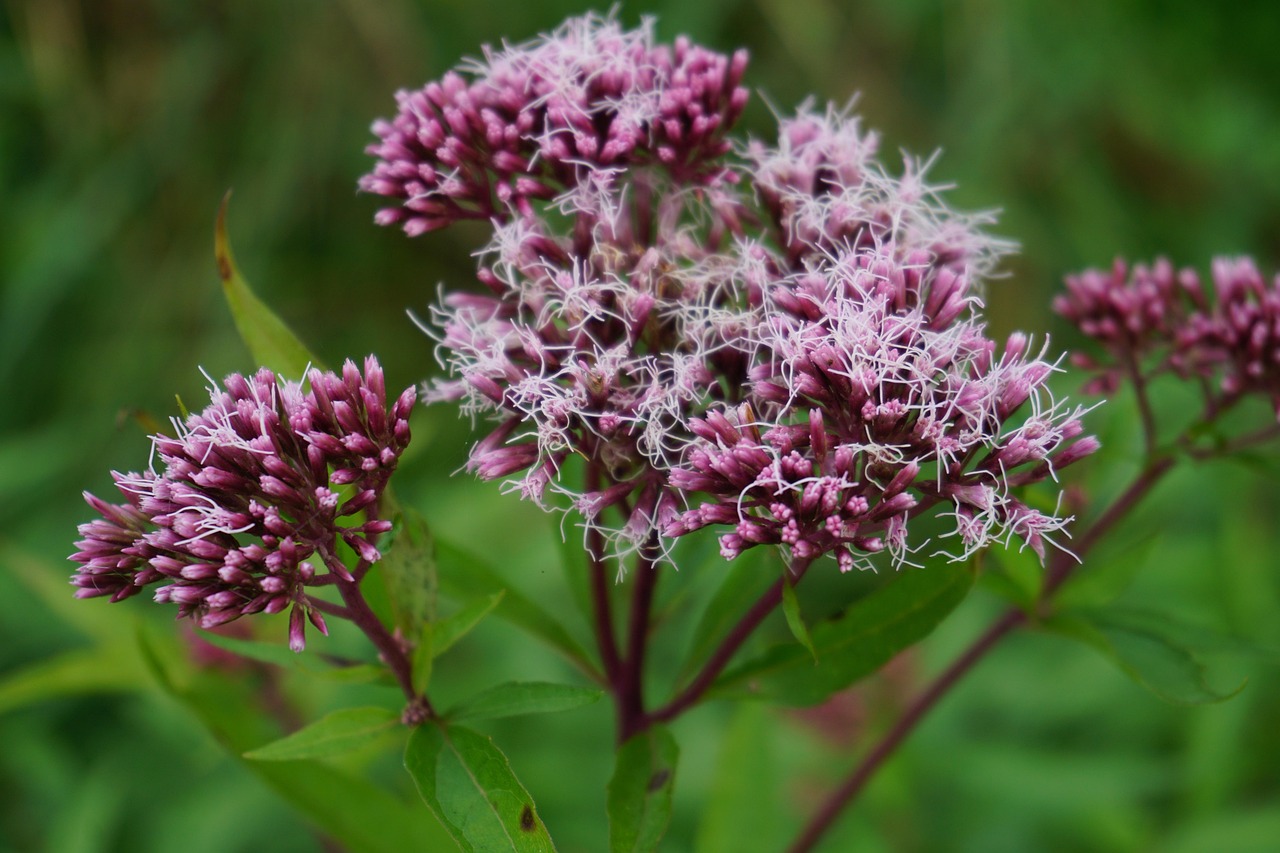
(1100, 128)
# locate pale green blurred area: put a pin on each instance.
(1099, 128)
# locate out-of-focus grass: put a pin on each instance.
(1099, 128)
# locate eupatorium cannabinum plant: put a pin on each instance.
(675, 331)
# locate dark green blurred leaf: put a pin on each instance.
(468, 783)
(102, 669)
(271, 343)
(640, 791)
(1155, 653)
(465, 578)
(742, 812)
(355, 813)
(795, 619)
(858, 642)
(524, 697)
(334, 734)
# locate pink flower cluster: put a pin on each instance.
(531, 121)
(265, 478)
(782, 338)
(1153, 319)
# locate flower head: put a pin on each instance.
(784, 327)
(251, 489)
(530, 121)
(1155, 319)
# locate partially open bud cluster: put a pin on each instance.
(265, 478)
(1156, 318)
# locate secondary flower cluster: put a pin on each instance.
(787, 328)
(267, 477)
(1154, 318)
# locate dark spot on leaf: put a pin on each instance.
(657, 780)
(224, 267)
(528, 822)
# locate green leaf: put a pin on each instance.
(100, 669)
(468, 784)
(741, 811)
(409, 570)
(746, 579)
(449, 630)
(256, 650)
(524, 697)
(269, 340)
(795, 619)
(1016, 575)
(464, 576)
(276, 654)
(1158, 653)
(857, 642)
(640, 792)
(355, 813)
(337, 733)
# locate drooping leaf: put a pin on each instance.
(795, 619)
(271, 343)
(334, 734)
(741, 811)
(468, 784)
(640, 791)
(465, 577)
(357, 814)
(524, 697)
(1158, 654)
(856, 643)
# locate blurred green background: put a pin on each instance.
(1100, 128)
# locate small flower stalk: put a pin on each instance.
(252, 497)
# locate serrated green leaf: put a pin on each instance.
(1156, 652)
(334, 734)
(468, 784)
(409, 569)
(271, 343)
(524, 697)
(795, 619)
(640, 791)
(855, 644)
(355, 813)
(465, 577)
(449, 630)
(741, 811)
